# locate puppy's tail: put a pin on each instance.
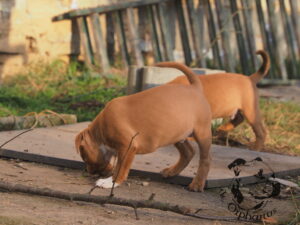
(264, 69)
(191, 76)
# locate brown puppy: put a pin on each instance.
(235, 95)
(142, 122)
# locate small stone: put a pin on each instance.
(110, 212)
(145, 184)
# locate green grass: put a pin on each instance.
(77, 90)
(57, 86)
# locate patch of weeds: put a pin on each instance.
(57, 86)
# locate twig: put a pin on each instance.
(182, 210)
(129, 146)
(15, 137)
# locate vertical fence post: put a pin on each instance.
(289, 39)
(267, 39)
(165, 32)
(223, 21)
(100, 47)
(294, 16)
(247, 15)
(75, 40)
(134, 37)
(212, 34)
(119, 26)
(240, 37)
(200, 13)
(154, 35)
(278, 57)
(110, 37)
(196, 33)
(85, 40)
(183, 32)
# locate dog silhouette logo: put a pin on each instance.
(251, 202)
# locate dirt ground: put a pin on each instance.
(17, 209)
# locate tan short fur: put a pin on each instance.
(150, 119)
(235, 95)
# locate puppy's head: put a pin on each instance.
(96, 159)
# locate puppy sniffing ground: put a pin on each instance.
(142, 122)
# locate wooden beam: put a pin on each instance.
(133, 37)
(295, 22)
(105, 9)
(212, 34)
(240, 37)
(110, 37)
(86, 40)
(119, 26)
(289, 38)
(165, 32)
(250, 36)
(183, 32)
(267, 39)
(276, 41)
(224, 15)
(195, 30)
(100, 46)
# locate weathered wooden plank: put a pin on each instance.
(165, 32)
(119, 26)
(154, 35)
(156, 23)
(85, 40)
(201, 19)
(75, 40)
(247, 15)
(100, 46)
(294, 16)
(105, 9)
(267, 39)
(223, 21)
(240, 37)
(110, 37)
(212, 34)
(289, 38)
(278, 57)
(183, 32)
(134, 38)
(196, 33)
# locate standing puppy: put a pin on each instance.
(142, 122)
(235, 96)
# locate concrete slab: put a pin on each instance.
(59, 142)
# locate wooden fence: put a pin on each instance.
(136, 32)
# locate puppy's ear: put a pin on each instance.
(78, 140)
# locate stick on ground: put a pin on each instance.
(150, 204)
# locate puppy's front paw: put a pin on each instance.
(168, 172)
(105, 183)
(195, 186)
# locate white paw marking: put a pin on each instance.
(105, 183)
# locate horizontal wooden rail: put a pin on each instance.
(105, 9)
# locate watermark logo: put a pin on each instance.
(251, 203)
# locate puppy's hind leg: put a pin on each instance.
(203, 138)
(255, 120)
(186, 152)
(237, 120)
